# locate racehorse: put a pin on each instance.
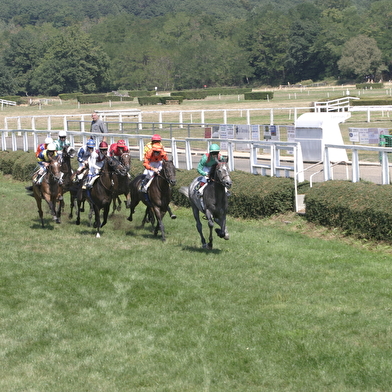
(103, 189)
(213, 203)
(50, 190)
(66, 170)
(157, 198)
(123, 184)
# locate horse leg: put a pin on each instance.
(222, 232)
(134, 202)
(210, 225)
(97, 222)
(199, 226)
(173, 216)
(39, 206)
(159, 226)
(105, 214)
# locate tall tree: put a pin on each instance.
(71, 64)
(361, 57)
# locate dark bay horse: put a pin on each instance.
(157, 198)
(66, 170)
(50, 190)
(214, 204)
(103, 189)
(123, 184)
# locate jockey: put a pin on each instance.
(153, 164)
(43, 159)
(62, 141)
(204, 166)
(84, 154)
(43, 146)
(117, 149)
(156, 140)
(95, 163)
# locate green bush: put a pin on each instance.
(155, 100)
(189, 94)
(369, 86)
(92, 98)
(164, 100)
(372, 102)
(140, 93)
(15, 98)
(19, 164)
(69, 96)
(259, 95)
(361, 209)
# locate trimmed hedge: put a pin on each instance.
(155, 100)
(259, 95)
(15, 98)
(368, 86)
(361, 209)
(372, 102)
(69, 96)
(189, 94)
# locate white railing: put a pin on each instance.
(4, 102)
(158, 116)
(334, 105)
(355, 163)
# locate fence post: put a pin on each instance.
(188, 155)
(174, 152)
(385, 168)
(160, 120)
(180, 120)
(272, 117)
(355, 163)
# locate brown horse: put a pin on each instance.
(214, 204)
(123, 184)
(157, 198)
(103, 190)
(50, 190)
(66, 170)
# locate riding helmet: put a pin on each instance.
(48, 140)
(156, 138)
(121, 143)
(214, 148)
(103, 145)
(51, 147)
(91, 143)
(62, 134)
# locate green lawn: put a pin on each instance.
(272, 309)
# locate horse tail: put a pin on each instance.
(184, 190)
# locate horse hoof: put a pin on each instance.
(82, 210)
(173, 216)
(98, 235)
(129, 218)
(226, 237)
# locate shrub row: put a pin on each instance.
(190, 94)
(372, 102)
(140, 93)
(368, 86)
(69, 96)
(259, 95)
(361, 209)
(16, 98)
(155, 100)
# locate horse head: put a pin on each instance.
(68, 151)
(125, 160)
(168, 172)
(54, 169)
(221, 174)
(117, 166)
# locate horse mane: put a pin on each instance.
(213, 170)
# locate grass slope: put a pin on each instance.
(270, 309)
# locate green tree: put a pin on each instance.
(71, 64)
(360, 57)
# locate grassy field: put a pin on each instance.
(281, 306)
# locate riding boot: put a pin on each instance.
(143, 184)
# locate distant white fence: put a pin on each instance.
(4, 102)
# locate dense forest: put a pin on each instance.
(52, 46)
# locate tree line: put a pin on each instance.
(106, 47)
